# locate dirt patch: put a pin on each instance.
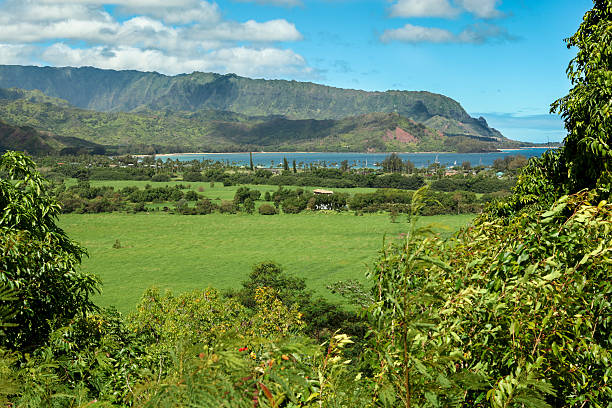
(400, 135)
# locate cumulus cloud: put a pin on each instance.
(239, 60)
(16, 54)
(127, 3)
(201, 12)
(481, 8)
(269, 31)
(444, 9)
(474, 34)
(423, 8)
(417, 34)
(169, 36)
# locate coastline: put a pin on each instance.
(260, 152)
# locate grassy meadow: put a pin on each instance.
(187, 252)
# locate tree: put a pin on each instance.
(344, 166)
(393, 164)
(409, 166)
(586, 110)
(268, 274)
(251, 161)
(249, 206)
(37, 259)
(285, 164)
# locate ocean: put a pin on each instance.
(358, 160)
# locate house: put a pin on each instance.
(321, 191)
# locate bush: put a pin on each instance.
(249, 206)
(267, 209)
(227, 207)
(160, 177)
(191, 196)
(192, 176)
(205, 206)
(294, 205)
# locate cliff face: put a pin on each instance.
(109, 90)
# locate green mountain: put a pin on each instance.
(32, 141)
(209, 130)
(134, 91)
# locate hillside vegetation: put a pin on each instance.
(128, 91)
(211, 130)
(36, 142)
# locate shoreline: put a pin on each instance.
(300, 152)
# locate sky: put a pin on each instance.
(504, 60)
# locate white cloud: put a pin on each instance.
(77, 22)
(444, 9)
(423, 8)
(169, 36)
(16, 54)
(201, 12)
(481, 8)
(482, 33)
(34, 12)
(417, 34)
(127, 3)
(239, 60)
(474, 34)
(269, 31)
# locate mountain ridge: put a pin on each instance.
(129, 90)
(217, 111)
(208, 130)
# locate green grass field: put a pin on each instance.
(187, 252)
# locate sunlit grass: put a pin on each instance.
(186, 252)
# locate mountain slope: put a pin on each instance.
(127, 91)
(208, 130)
(25, 138)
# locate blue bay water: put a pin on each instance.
(359, 160)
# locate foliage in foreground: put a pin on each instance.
(37, 260)
(508, 314)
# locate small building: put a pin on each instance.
(321, 191)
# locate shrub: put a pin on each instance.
(192, 176)
(267, 209)
(249, 206)
(160, 177)
(227, 207)
(191, 196)
(205, 206)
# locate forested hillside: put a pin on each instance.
(210, 130)
(34, 142)
(108, 90)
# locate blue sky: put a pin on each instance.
(501, 59)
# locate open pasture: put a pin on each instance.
(187, 252)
